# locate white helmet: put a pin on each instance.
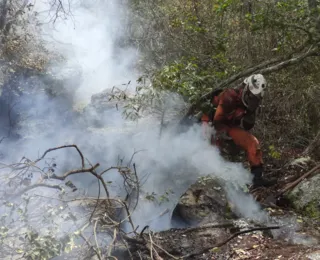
(256, 84)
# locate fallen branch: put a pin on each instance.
(109, 250)
(129, 217)
(167, 253)
(89, 245)
(152, 250)
(141, 233)
(81, 230)
(96, 240)
(229, 239)
(226, 225)
(297, 181)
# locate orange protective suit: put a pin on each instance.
(230, 119)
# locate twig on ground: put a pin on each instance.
(89, 245)
(97, 202)
(127, 247)
(128, 214)
(87, 241)
(141, 233)
(112, 242)
(225, 225)
(152, 250)
(96, 240)
(297, 181)
(167, 253)
(228, 239)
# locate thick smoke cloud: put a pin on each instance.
(91, 38)
(90, 42)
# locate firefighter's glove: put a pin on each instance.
(248, 121)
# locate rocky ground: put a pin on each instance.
(210, 226)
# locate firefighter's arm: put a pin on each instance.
(225, 107)
(219, 118)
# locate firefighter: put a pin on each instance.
(234, 116)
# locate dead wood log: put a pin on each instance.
(297, 181)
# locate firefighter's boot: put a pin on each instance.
(258, 180)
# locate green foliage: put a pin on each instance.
(151, 197)
(45, 247)
(189, 23)
(312, 210)
(222, 5)
(41, 247)
(154, 197)
(185, 79)
(274, 153)
(165, 197)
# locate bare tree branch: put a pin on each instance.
(62, 147)
(67, 174)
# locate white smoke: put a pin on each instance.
(90, 41)
(245, 205)
(90, 38)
